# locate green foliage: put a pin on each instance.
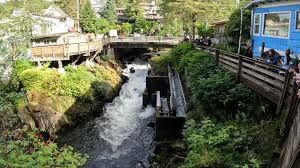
(230, 144)
(125, 29)
(171, 28)
(31, 150)
(109, 11)
(91, 24)
(188, 12)
(76, 82)
(232, 27)
(213, 89)
(132, 10)
(159, 64)
(227, 47)
(205, 31)
(70, 6)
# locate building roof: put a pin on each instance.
(63, 13)
(256, 2)
(220, 22)
(49, 36)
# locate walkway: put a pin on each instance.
(64, 51)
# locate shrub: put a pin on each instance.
(76, 82)
(229, 144)
(31, 150)
(179, 51)
(159, 64)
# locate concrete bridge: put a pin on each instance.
(60, 52)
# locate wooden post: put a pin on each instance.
(240, 65)
(288, 77)
(39, 64)
(262, 49)
(89, 52)
(60, 65)
(217, 54)
(77, 59)
(78, 48)
(294, 97)
(68, 54)
(52, 50)
(42, 52)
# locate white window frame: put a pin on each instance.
(254, 25)
(296, 20)
(281, 12)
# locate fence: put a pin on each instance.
(272, 82)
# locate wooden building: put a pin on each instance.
(276, 23)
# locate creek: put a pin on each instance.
(120, 137)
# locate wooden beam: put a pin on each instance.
(240, 65)
(283, 95)
(217, 54)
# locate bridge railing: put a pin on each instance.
(147, 39)
(272, 82)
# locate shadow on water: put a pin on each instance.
(119, 137)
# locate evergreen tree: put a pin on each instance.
(88, 19)
(109, 11)
(70, 6)
(191, 11)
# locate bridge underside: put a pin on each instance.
(140, 45)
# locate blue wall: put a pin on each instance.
(277, 43)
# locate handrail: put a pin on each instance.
(261, 77)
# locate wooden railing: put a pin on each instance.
(147, 39)
(272, 82)
(64, 51)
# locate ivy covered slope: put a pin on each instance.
(228, 125)
(53, 99)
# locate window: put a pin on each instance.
(277, 24)
(257, 24)
(298, 20)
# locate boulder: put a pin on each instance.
(132, 70)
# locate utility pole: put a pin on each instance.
(237, 4)
(77, 12)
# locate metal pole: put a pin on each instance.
(241, 32)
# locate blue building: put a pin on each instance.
(277, 24)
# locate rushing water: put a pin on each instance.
(120, 138)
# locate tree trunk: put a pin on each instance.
(194, 19)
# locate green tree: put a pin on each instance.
(205, 30)
(132, 10)
(191, 11)
(125, 29)
(69, 6)
(103, 26)
(88, 19)
(109, 11)
(233, 26)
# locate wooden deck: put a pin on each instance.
(272, 82)
(64, 51)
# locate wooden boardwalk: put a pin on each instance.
(64, 51)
